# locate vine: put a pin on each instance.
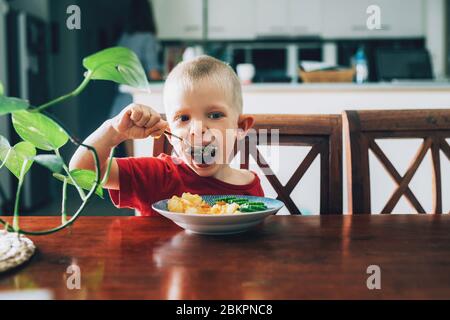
(41, 131)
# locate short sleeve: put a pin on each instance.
(142, 181)
(123, 198)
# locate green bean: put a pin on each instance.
(257, 204)
(245, 205)
(225, 199)
(252, 208)
(241, 201)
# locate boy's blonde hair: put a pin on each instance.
(185, 75)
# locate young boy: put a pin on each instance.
(203, 104)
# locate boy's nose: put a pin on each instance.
(197, 128)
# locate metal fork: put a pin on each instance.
(186, 143)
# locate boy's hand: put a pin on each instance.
(137, 121)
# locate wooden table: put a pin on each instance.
(288, 257)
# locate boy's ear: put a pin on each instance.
(245, 123)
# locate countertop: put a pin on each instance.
(325, 87)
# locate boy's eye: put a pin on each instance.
(215, 115)
(183, 118)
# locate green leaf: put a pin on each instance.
(2, 92)
(9, 105)
(117, 64)
(17, 155)
(50, 161)
(84, 178)
(40, 130)
(4, 148)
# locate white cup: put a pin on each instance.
(245, 72)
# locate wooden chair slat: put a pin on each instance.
(436, 176)
(389, 167)
(390, 205)
(445, 147)
(304, 166)
(404, 120)
(276, 184)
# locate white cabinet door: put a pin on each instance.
(344, 18)
(348, 18)
(305, 17)
(231, 19)
(272, 17)
(402, 18)
(179, 19)
(288, 17)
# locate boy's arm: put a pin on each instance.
(134, 122)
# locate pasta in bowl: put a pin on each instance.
(217, 214)
(193, 203)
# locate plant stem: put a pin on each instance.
(3, 196)
(79, 189)
(80, 209)
(108, 168)
(77, 213)
(16, 204)
(63, 203)
(74, 93)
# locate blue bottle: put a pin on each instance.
(362, 71)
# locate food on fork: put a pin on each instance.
(202, 152)
(193, 203)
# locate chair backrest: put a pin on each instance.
(361, 128)
(322, 132)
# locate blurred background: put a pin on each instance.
(276, 41)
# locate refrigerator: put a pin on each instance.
(24, 66)
(5, 185)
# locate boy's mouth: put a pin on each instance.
(203, 156)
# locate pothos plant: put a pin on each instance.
(41, 131)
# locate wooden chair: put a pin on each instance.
(322, 132)
(361, 128)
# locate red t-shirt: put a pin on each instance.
(144, 181)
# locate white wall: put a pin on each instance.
(435, 32)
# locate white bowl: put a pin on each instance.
(220, 224)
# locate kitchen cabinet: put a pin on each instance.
(304, 17)
(231, 19)
(179, 19)
(347, 18)
(288, 17)
(248, 19)
(271, 17)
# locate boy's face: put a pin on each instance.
(204, 117)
